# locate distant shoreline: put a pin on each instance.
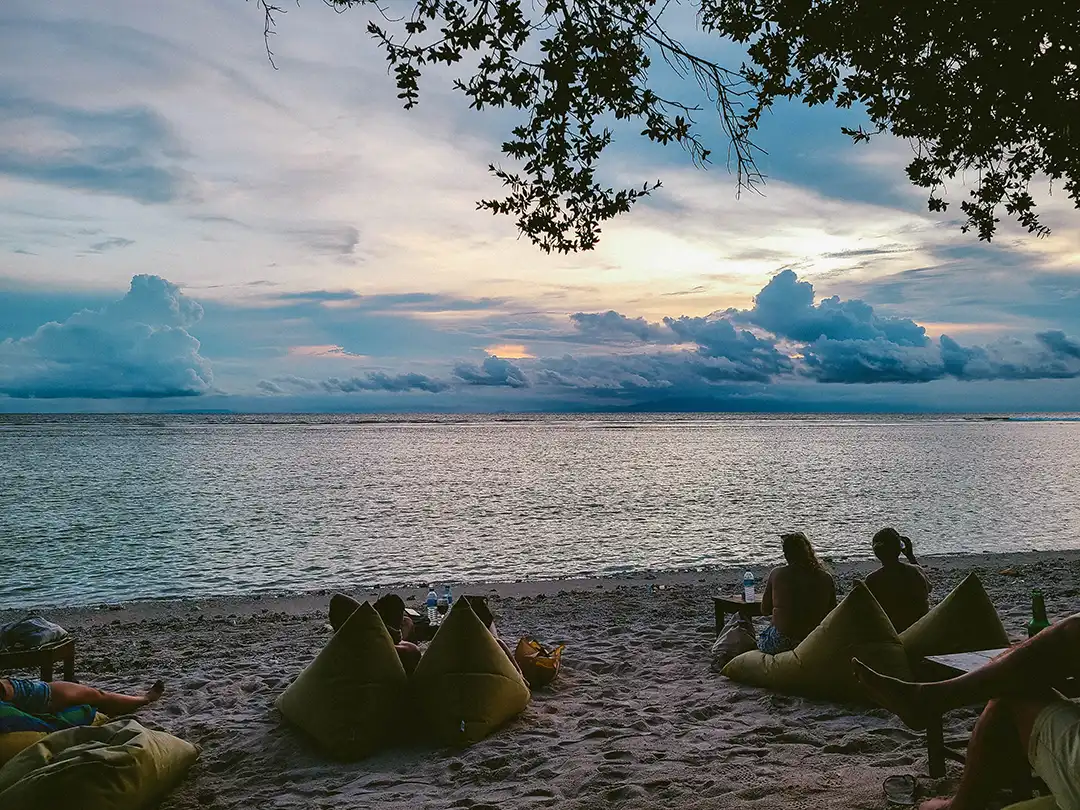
(721, 578)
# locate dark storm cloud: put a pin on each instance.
(494, 371)
(370, 381)
(611, 325)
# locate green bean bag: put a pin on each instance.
(821, 665)
(351, 697)
(117, 766)
(465, 685)
(964, 621)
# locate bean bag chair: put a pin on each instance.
(19, 730)
(465, 685)
(350, 698)
(117, 766)
(964, 621)
(820, 666)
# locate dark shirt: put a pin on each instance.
(903, 591)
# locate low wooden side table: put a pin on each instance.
(43, 657)
(723, 605)
(942, 667)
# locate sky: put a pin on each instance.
(184, 226)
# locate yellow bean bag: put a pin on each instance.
(964, 621)
(117, 766)
(465, 685)
(15, 741)
(350, 698)
(820, 666)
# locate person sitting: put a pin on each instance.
(1025, 722)
(797, 596)
(49, 697)
(901, 588)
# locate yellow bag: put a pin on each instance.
(538, 664)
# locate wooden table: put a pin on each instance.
(43, 657)
(939, 668)
(723, 605)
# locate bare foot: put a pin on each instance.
(899, 697)
(155, 692)
(936, 804)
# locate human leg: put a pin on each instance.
(1035, 666)
(996, 753)
(65, 694)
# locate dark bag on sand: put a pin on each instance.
(735, 638)
(30, 634)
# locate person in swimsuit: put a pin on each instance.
(48, 697)
(797, 596)
(901, 588)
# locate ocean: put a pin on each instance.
(109, 508)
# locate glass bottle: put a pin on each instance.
(1038, 614)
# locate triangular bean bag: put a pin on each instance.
(466, 685)
(117, 766)
(821, 665)
(964, 621)
(350, 698)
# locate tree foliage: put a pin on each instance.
(987, 90)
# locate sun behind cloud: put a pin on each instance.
(510, 351)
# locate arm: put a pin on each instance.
(766, 598)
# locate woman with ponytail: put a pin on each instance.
(901, 588)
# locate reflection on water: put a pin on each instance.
(111, 508)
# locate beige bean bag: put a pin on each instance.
(117, 766)
(964, 621)
(821, 665)
(351, 697)
(465, 685)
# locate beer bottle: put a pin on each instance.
(1038, 614)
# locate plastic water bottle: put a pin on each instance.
(748, 587)
(449, 597)
(432, 601)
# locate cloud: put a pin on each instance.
(785, 307)
(495, 371)
(138, 346)
(1056, 341)
(371, 381)
(611, 325)
(831, 341)
(128, 151)
(112, 243)
(332, 240)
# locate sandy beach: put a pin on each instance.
(636, 719)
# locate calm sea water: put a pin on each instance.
(106, 508)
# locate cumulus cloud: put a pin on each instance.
(785, 307)
(138, 346)
(612, 325)
(789, 335)
(370, 381)
(494, 371)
